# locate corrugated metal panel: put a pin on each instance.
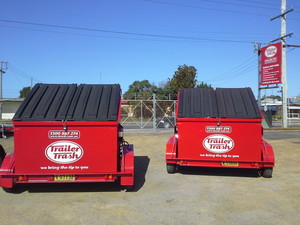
(197, 103)
(219, 103)
(56, 102)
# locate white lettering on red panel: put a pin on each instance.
(218, 129)
(218, 143)
(64, 152)
(61, 134)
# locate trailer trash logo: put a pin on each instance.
(218, 143)
(64, 152)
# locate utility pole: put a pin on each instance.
(257, 50)
(31, 82)
(283, 67)
(283, 75)
(3, 67)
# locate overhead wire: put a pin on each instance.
(124, 32)
(235, 70)
(97, 36)
(239, 71)
(242, 69)
(112, 37)
(256, 2)
(219, 10)
(245, 35)
(206, 8)
(237, 4)
(21, 73)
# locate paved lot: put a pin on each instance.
(197, 196)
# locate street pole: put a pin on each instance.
(257, 50)
(283, 68)
(283, 59)
(1, 73)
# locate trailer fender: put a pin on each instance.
(127, 166)
(171, 148)
(268, 153)
(2, 154)
(7, 168)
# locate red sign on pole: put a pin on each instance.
(271, 64)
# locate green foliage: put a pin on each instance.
(24, 92)
(184, 77)
(204, 85)
(273, 97)
(140, 89)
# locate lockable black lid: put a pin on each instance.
(72, 102)
(218, 103)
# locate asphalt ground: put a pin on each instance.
(194, 196)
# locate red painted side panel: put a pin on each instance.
(232, 140)
(171, 148)
(127, 166)
(86, 147)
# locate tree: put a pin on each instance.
(140, 89)
(24, 92)
(184, 77)
(272, 97)
(204, 85)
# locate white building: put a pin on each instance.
(8, 107)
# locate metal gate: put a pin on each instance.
(148, 114)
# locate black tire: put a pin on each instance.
(267, 172)
(129, 188)
(171, 168)
(2, 153)
(8, 190)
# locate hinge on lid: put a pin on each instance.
(64, 123)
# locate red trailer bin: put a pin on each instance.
(219, 128)
(69, 133)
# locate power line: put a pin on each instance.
(21, 73)
(241, 73)
(206, 8)
(122, 32)
(235, 70)
(250, 35)
(262, 3)
(230, 3)
(97, 36)
(127, 38)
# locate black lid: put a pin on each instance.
(72, 102)
(218, 103)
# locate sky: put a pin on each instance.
(121, 41)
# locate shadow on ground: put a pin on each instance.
(212, 171)
(141, 167)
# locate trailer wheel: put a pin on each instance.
(9, 190)
(171, 168)
(13, 188)
(267, 172)
(2, 153)
(129, 188)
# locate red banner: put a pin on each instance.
(271, 64)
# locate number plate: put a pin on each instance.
(229, 163)
(64, 177)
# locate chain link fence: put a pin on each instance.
(148, 114)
